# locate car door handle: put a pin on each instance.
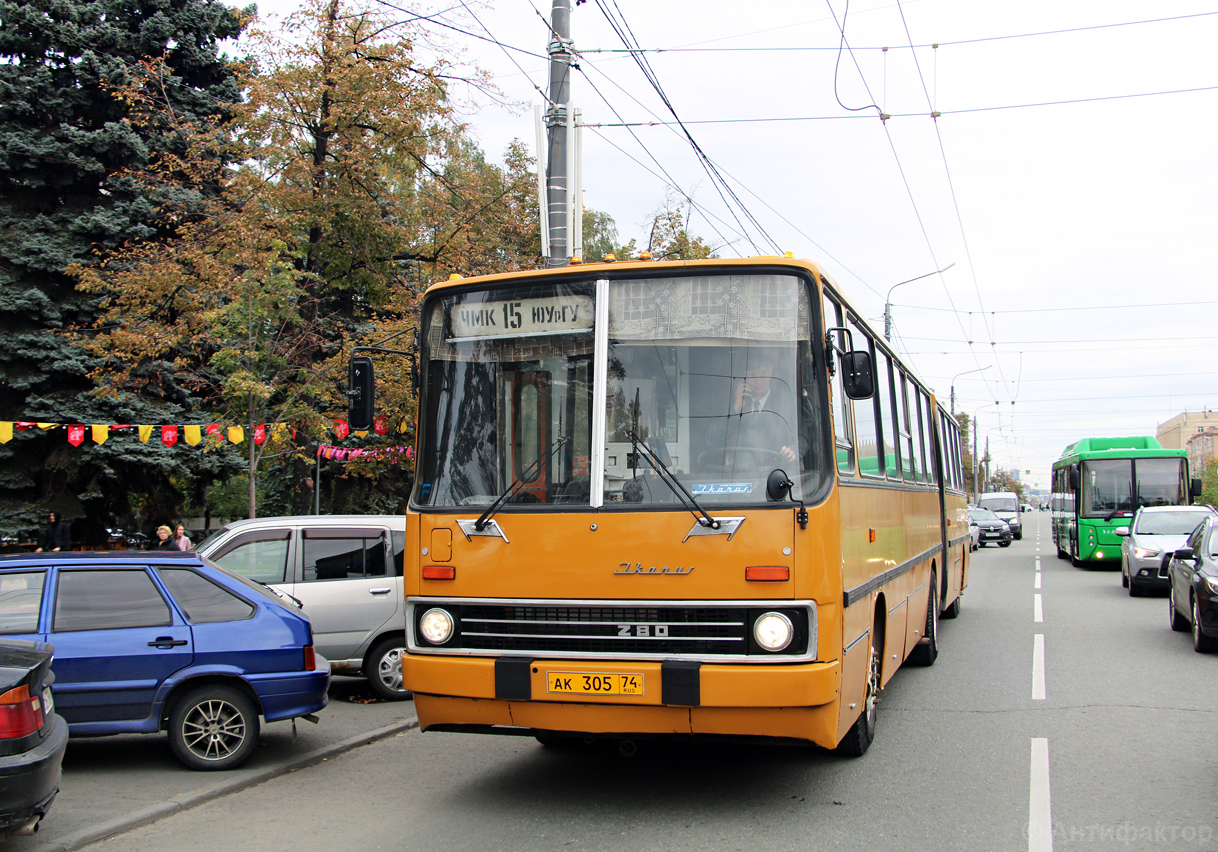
(379, 591)
(165, 640)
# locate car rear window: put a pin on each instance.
(100, 600)
(21, 601)
(202, 600)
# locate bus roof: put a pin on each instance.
(1116, 448)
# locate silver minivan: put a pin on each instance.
(346, 570)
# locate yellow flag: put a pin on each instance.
(46, 426)
(145, 434)
(236, 434)
(6, 431)
(363, 434)
(100, 433)
(193, 434)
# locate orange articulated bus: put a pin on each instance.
(677, 498)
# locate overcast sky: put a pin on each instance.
(1070, 177)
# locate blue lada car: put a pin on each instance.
(165, 641)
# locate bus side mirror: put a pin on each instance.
(1194, 489)
(857, 378)
(361, 406)
(1075, 479)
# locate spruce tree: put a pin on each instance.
(65, 148)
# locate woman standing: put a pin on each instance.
(163, 539)
(180, 541)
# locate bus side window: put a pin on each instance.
(928, 420)
(867, 441)
(889, 426)
(840, 405)
(911, 467)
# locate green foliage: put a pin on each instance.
(1209, 484)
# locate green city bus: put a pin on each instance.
(1098, 483)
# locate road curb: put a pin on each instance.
(179, 804)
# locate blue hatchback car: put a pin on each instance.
(146, 642)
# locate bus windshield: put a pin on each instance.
(1109, 485)
(708, 378)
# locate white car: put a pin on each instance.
(346, 570)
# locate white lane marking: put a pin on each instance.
(1038, 612)
(1040, 812)
(1037, 586)
(1038, 667)
(1037, 563)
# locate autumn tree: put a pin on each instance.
(357, 189)
(68, 146)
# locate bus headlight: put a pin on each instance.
(436, 625)
(773, 631)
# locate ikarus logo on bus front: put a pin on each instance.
(637, 568)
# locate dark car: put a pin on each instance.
(166, 641)
(991, 528)
(1193, 572)
(32, 736)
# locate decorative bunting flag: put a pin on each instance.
(217, 430)
(169, 435)
(380, 424)
(192, 435)
(260, 434)
(236, 434)
(100, 433)
(76, 435)
(342, 429)
(145, 434)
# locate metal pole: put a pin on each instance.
(317, 486)
(888, 298)
(558, 179)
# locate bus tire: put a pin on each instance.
(862, 732)
(953, 608)
(924, 655)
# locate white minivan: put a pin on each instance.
(346, 570)
(1004, 504)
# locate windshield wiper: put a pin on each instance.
(664, 474)
(518, 483)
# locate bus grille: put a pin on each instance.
(660, 631)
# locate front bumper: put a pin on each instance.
(510, 695)
(1149, 573)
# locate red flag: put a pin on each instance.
(76, 435)
(169, 435)
(260, 434)
(380, 425)
(342, 429)
(217, 430)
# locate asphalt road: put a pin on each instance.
(1102, 741)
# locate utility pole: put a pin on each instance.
(558, 203)
(888, 298)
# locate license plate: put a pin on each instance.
(589, 683)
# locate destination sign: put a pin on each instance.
(521, 317)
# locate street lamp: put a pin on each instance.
(888, 298)
(958, 375)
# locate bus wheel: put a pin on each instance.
(862, 732)
(924, 655)
(953, 608)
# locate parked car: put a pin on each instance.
(1193, 578)
(1004, 504)
(990, 527)
(163, 640)
(346, 570)
(1154, 531)
(32, 736)
(974, 532)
